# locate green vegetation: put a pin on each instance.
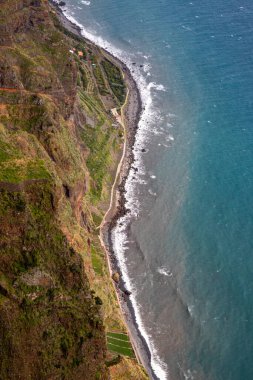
(97, 261)
(120, 344)
(120, 350)
(99, 78)
(119, 336)
(20, 170)
(7, 151)
(97, 219)
(115, 80)
(83, 76)
(94, 106)
(97, 140)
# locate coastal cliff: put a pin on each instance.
(60, 144)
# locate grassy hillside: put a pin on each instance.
(58, 152)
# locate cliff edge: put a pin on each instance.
(59, 148)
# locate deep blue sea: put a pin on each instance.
(188, 258)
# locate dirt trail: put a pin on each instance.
(7, 89)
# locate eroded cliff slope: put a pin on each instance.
(59, 146)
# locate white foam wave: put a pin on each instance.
(85, 2)
(190, 309)
(146, 68)
(188, 375)
(165, 272)
(149, 117)
(151, 192)
(120, 237)
(158, 87)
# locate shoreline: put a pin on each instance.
(131, 113)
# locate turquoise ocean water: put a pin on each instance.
(186, 249)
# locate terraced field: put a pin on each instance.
(96, 262)
(120, 344)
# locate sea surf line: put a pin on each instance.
(149, 115)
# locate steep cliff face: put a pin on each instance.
(58, 149)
